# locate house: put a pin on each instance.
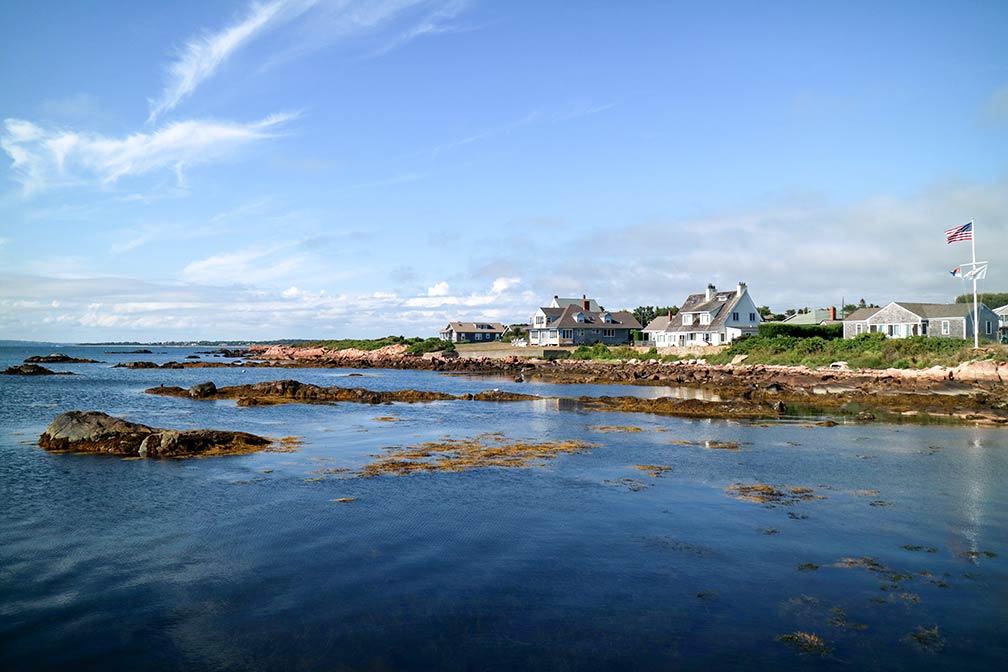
(936, 320)
(471, 332)
(814, 316)
(1002, 314)
(711, 318)
(580, 323)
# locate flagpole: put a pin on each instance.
(976, 312)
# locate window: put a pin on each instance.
(568, 333)
(752, 317)
(479, 337)
(704, 318)
(734, 316)
(692, 337)
(858, 329)
(945, 327)
(609, 333)
(988, 328)
(580, 317)
(894, 330)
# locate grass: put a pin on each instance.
(867, 351)
(603, 353)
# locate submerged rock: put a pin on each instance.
(33, 370)
(96, 432)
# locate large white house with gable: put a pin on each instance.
(710, 318)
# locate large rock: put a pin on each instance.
(59, 358)
(33, 370)
(96, 432)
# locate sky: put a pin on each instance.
(242, 170)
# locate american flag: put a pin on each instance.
(964, 232)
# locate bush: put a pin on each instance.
(420, 346)
(824, 331)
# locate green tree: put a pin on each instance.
(989, 299)
(645, 314)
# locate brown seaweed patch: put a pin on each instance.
(617, 428)
(288, 444)
(768, 494)
(386, 418)
(653, 470)
(628, 483)
(722, 445)
(806, 642)
(865, 493)
(927, 639)
(680, 442)
(455, 455)
(808, 567)
(331, 471)
(838, 619)
(343, 500)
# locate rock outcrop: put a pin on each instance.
(59, 358)
(33, 370)
(96, 432)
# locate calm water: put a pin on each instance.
(587, 563)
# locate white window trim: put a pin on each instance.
(946, 330)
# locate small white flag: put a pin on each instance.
(978, 273)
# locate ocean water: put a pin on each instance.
(585, 563)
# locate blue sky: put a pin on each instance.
(312, 168)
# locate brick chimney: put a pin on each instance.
(710, 292)
(832, 313)
(584, 302)
(670, 315)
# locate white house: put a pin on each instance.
(711, 318)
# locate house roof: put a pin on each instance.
(814, 316)
(861, 314)
(720, 307)
(469, 327)
(928, 311)
(565, 318)
(1003, 310)
(560, 302)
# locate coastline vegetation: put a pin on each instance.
(867, 351)
(417, 345)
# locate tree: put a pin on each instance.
(645, 314)
(989, 299)
(789, 312)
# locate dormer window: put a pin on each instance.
(607, 318)
(579, 317)
(704, 318)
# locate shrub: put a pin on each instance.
(824, 331)
(420, 346)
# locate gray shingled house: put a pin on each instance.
(584, 322)
(710, 318)
(471, 332)
(935, 320)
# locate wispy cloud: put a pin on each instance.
(201, 56)
(319, 23)
(47, 157)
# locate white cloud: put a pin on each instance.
(202, 55)
(440, 289)
(244, 267)
(321, 22)
(47, 157)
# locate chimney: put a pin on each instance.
(740, 288)
(832, 313)
(710, 292)
(670, 315)
(584, 302)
